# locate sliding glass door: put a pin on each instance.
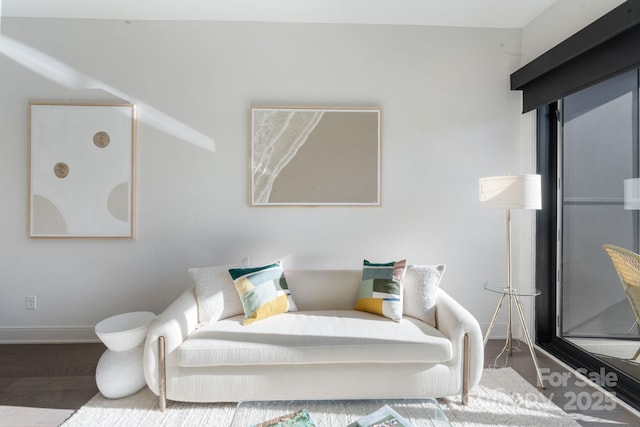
(598, 151)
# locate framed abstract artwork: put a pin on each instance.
(306, 156)
(81, 170)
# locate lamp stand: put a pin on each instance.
(512, 299)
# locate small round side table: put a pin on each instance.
(512, 296)
(119, 372)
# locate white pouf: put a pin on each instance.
(124, 331)
(119, 373)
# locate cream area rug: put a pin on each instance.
(503, 398)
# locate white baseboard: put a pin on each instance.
(47, 334)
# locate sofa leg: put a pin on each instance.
(466, 348)
(162, 375)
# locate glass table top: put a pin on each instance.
(503, 289)
(420, 412)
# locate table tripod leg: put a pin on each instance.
(510, 325)
(493, 319)
(528, 338)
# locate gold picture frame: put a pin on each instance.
(315, 156)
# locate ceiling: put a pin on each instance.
(454, 13)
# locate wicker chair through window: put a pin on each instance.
(627, 265)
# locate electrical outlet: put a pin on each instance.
(31, 302)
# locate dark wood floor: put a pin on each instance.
(62, 376)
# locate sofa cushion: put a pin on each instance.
(380, 291)
(314, 337)
(217, 296)
(421, 285)
(263, 291)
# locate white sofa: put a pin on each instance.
(325, 350)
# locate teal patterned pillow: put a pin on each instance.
(263, 291)
(380, 291)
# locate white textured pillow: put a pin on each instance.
(216, 294)
(421, 283)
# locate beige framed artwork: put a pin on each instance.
(81, 170)
(306, 156)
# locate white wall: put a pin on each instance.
(449, 118)
(559, 22)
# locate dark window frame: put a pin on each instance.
(604, 49)
(626, 388)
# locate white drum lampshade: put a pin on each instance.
(511, 192)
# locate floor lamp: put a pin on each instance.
(512, 192)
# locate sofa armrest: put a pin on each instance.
(175, 324)
(454, 321)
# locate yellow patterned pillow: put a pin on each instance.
(263, 291)
(380, 290)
